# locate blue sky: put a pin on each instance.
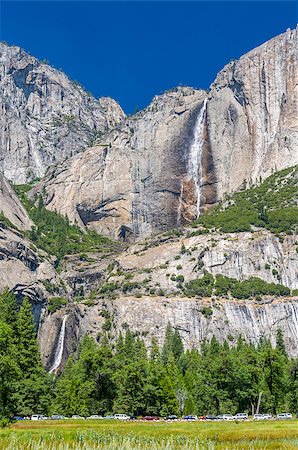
(132, 51)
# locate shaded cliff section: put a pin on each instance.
(45, 117)
(136, 178)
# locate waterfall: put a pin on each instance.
(60, 347)
(194, 166)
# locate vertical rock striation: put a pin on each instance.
(12, 208)
(45, 117)
(133, 177)
(252, 121)
(149, 317)
(187, 148)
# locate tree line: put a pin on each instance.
(126, 377)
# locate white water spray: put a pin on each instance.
(60, 347)
(194, 166)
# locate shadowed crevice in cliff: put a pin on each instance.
(209, 177)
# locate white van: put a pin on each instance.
(121, 417)
(241, 416)
(38, 417)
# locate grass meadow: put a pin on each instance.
(113, 435)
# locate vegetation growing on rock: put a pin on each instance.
(54, 234)
(223, 286)
(272, 204)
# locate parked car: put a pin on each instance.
(133, 418)
(94, 417)
(241, 416)
(18, 418)
(190, 417)
(228, 417)
(108, 417)
(211, 417)
(220, 417)
(267, 416)
(75, 416)
(153, 418)
(283, 416)
(258, 417)
(38, 417)
(173, 417)
(57, 417)
(121, 417)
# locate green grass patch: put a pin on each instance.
(79, 435)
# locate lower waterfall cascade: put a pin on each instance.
(60, 347)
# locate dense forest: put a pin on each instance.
(123, 376)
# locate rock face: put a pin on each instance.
(11, 207)
(186, 149)
(237, 255)
(152, 268)
(133, 177)
(251, 121)
(24, 269)
(27, 272)
(45, 118)
(149, 317)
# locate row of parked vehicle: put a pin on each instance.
(238, 416)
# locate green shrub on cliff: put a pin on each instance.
(271, 205)
(56, 303)
(54, 234)
(225, 286)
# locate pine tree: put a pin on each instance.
(9, 370)
(29, 355)
(32, 390)
(280, 345)
(8, 308)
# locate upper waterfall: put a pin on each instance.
(194, 167)
(60, 347)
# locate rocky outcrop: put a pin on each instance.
(45, 117)
(12, 208)
(251, 121)
(238, 255)
(141, 289)
(186, 151)
(195, 319)
(132, 178)
(26, 271)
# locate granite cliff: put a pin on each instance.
(24, 269)
(187, 150)
(45, 117)
(144, 181)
